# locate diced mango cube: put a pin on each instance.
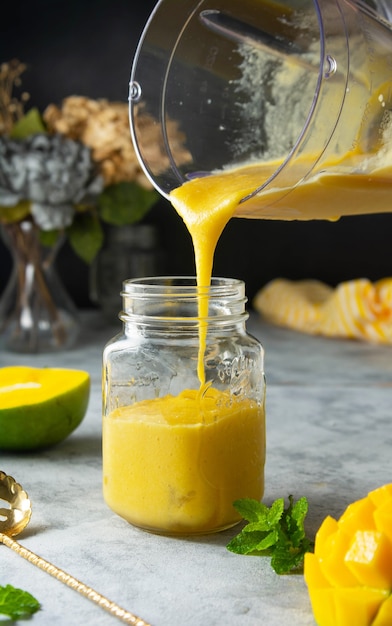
(383, 519)
(358, 516)
(323, 606)
(349, 576)
(381, 494)
(327, 528)
(313, 574)
(357, 606)
(384, 614)
(369, 558)
(332, 561)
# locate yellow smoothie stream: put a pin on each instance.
(185, 450)
(176, 464)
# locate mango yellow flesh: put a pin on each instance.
(383, 617)
(358, 516)
(39, 407)
(336, 546)
(381, 495)
(349, 576)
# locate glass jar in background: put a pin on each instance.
(177, 451)
(130, 251)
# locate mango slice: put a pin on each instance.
(336, 546)
(384, 615)
(349, 576)
(381, 495)
(357, 606)
(383, 518)
(39, 407)
(369, 559)
(358, 516)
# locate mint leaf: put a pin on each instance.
(285, 558)
(251, 510)
(125, 203)
(268, 541)
(16, 603)
(245, 543)
(276, 531)
(295, 520)
(275, 513)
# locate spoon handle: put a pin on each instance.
(67, 579)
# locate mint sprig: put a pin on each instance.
(17, 603)
(276, 531)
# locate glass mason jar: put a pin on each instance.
(179, 447)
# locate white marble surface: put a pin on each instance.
(329, 429)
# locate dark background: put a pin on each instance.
(85, 47)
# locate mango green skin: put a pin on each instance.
(46, 423)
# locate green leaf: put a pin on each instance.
(251, 510)
(48, 238)
(285, 559)
(299, 511)
(10, 214)
(245, 543)
(16, 603)
(276, 531)
(268, 541)
(85, 236)
(125, 203)
(261, 524)
(29, 124)
(275, 512)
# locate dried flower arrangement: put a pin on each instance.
(70, 169)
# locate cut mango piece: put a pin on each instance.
(384, 614)
(323, 606)
(370, 559)
(358, 516)
(327, 528)
(383, 519)
(336, 547)
(349, 576)
(314, 576)
(357, 606)
(40, 407)
(381, 494)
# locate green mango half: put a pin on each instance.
(39, 407)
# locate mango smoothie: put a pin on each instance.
(179, 462)
(336, 189)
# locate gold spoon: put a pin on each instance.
(15, 518)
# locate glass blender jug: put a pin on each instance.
(299, 90)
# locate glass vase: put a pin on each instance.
(36, 313)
